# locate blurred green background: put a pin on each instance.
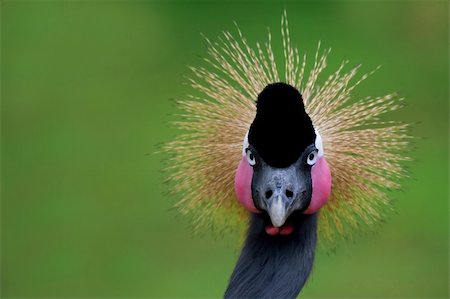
(86, 89)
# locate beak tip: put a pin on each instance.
(277, 224)
(277, 213)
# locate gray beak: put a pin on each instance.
(278, 210)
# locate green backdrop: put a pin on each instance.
(86, 92)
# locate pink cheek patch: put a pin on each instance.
(243, 185)
(321, 185)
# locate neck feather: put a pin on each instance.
(274, 266)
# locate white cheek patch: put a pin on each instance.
(245, 145)
(318, 143)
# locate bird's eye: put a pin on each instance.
(251, 158)
(312, 157)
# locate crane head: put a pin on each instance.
(283, 169)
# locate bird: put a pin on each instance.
(288, 160)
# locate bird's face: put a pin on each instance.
(282, 169)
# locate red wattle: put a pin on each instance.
(272, 230)
(286, 229)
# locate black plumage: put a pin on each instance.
(281, 129)
(274, 266)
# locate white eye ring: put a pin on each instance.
(312, 157)
(250, 157)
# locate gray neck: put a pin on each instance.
(274, 266)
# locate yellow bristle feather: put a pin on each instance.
(365, 154)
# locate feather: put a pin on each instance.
(365, 154)
(274, 267)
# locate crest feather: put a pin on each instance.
(364, 153)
